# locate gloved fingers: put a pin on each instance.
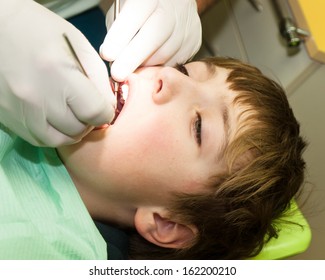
(166, 52)
(55, 138)
(90, 99)
(130, 20)
(18, 128)
(42, 76)
(51, 137)
(87, 103)
(93, 65)
(184, 54)
(62, 119)
(142, 46)
(182, 45)
(42, 133)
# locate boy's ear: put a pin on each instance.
(154, 224)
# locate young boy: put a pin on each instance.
(201, 160)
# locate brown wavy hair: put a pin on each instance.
(265, 172)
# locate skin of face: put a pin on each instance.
(168, 138)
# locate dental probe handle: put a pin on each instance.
(116, 8)
(116, 13)
(74, 54)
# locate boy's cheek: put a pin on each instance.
(162, 137)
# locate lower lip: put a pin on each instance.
(104, 126)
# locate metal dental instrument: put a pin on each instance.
(288, 29)
(116, 12)
(116, 8)
(74, 54)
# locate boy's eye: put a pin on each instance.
(181, 68)
(197, 129)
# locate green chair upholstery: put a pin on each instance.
(294, 238)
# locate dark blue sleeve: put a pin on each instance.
(116, 240)
(92, 24)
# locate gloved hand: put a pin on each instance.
(151, 32)
(44, 97)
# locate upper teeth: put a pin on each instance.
(125, 91)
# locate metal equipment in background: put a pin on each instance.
(288, 28)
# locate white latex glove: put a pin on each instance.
(151, 32)
(44, 97)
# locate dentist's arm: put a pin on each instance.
(151, 32)
(44, 97)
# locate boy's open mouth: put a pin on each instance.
(121, 97)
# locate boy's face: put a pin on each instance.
(169, 136)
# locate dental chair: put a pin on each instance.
(294, 237)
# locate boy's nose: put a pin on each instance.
(158, 85)
(167, 87)
(161, 92)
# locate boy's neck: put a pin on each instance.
(102, 196)
(102, 206)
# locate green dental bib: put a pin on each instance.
(41, 213)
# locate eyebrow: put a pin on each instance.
(225, 115)
(225, 118)
(210, 67)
